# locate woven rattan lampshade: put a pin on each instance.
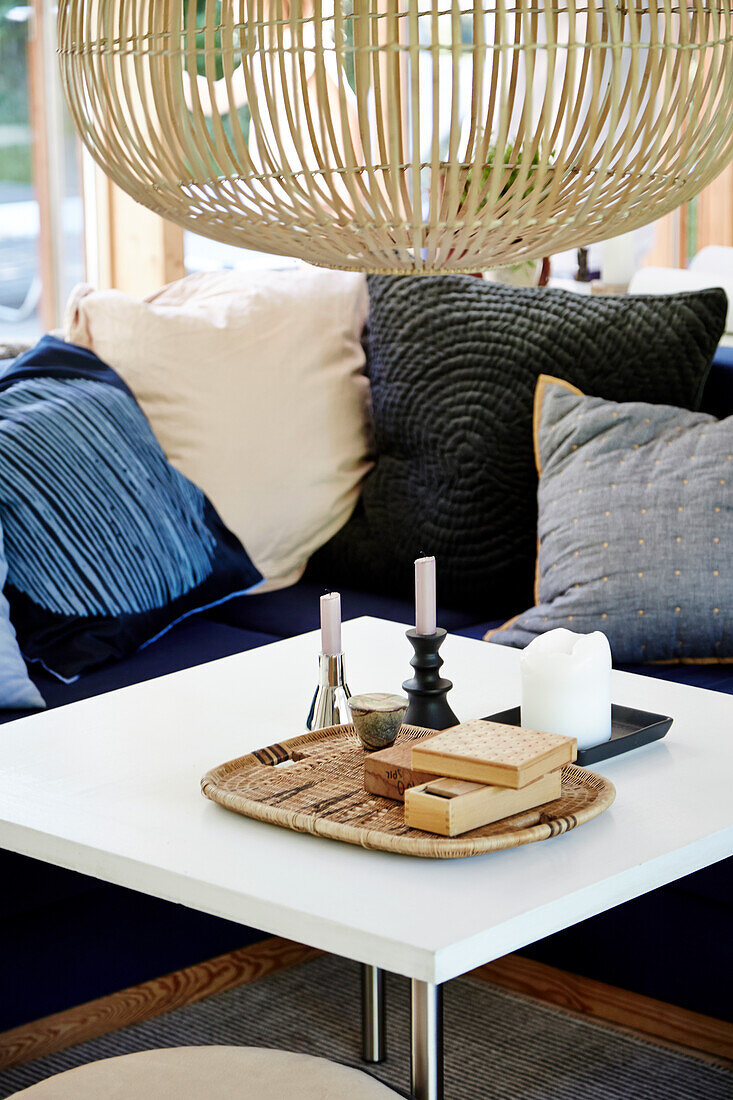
(404, 135)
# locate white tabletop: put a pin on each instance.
(110, 787)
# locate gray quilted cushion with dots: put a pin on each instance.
(635, 528)
(453, 363)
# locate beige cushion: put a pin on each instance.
(210, 1073)
(253, 382)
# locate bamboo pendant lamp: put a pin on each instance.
(404, 135)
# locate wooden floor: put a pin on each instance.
(665, 1023)
(143, 1002)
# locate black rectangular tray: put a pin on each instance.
(630, 729)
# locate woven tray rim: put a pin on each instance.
(428, 845)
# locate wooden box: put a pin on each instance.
(389, 772)
(450, 807)
(488, 752)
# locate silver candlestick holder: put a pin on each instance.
(330, 706)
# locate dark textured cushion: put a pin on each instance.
(453, 363)
(108, 546)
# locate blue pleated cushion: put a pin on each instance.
(107, 545)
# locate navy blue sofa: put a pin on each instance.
(66, 938)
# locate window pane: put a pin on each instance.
(20, 287)
(41, 217)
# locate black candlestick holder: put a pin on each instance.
(427, 689)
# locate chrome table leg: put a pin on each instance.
(427, 1040)
(373, 1041)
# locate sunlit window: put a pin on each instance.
(41, 211)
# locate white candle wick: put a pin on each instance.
(331, 624)
(425, 613)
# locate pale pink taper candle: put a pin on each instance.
(331, 624)
(425, 615)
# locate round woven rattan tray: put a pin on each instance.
(315, 784)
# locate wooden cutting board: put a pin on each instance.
(314, 783)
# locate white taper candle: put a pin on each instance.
(425, 614)
(331, 624)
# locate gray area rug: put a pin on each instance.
(499, 1045)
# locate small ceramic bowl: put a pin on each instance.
(377, 718)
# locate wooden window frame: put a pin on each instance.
(129, 248)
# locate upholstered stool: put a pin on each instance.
(210, 1073)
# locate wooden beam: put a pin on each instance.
(715, 205)
(715, 211)
(153, 998)
(644, 1015)
(136, 251)
(147, 251)
(46, 194)
(670, 245)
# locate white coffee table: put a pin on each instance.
(110, 787)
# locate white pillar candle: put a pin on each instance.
(618, 261)
(425, 614)
(331, 624)
(566, 686)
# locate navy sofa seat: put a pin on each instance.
(717, 398)
(296, 610)
(91, 940)
(66, 938)
(193, 642)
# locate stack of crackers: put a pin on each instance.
(471, 775)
